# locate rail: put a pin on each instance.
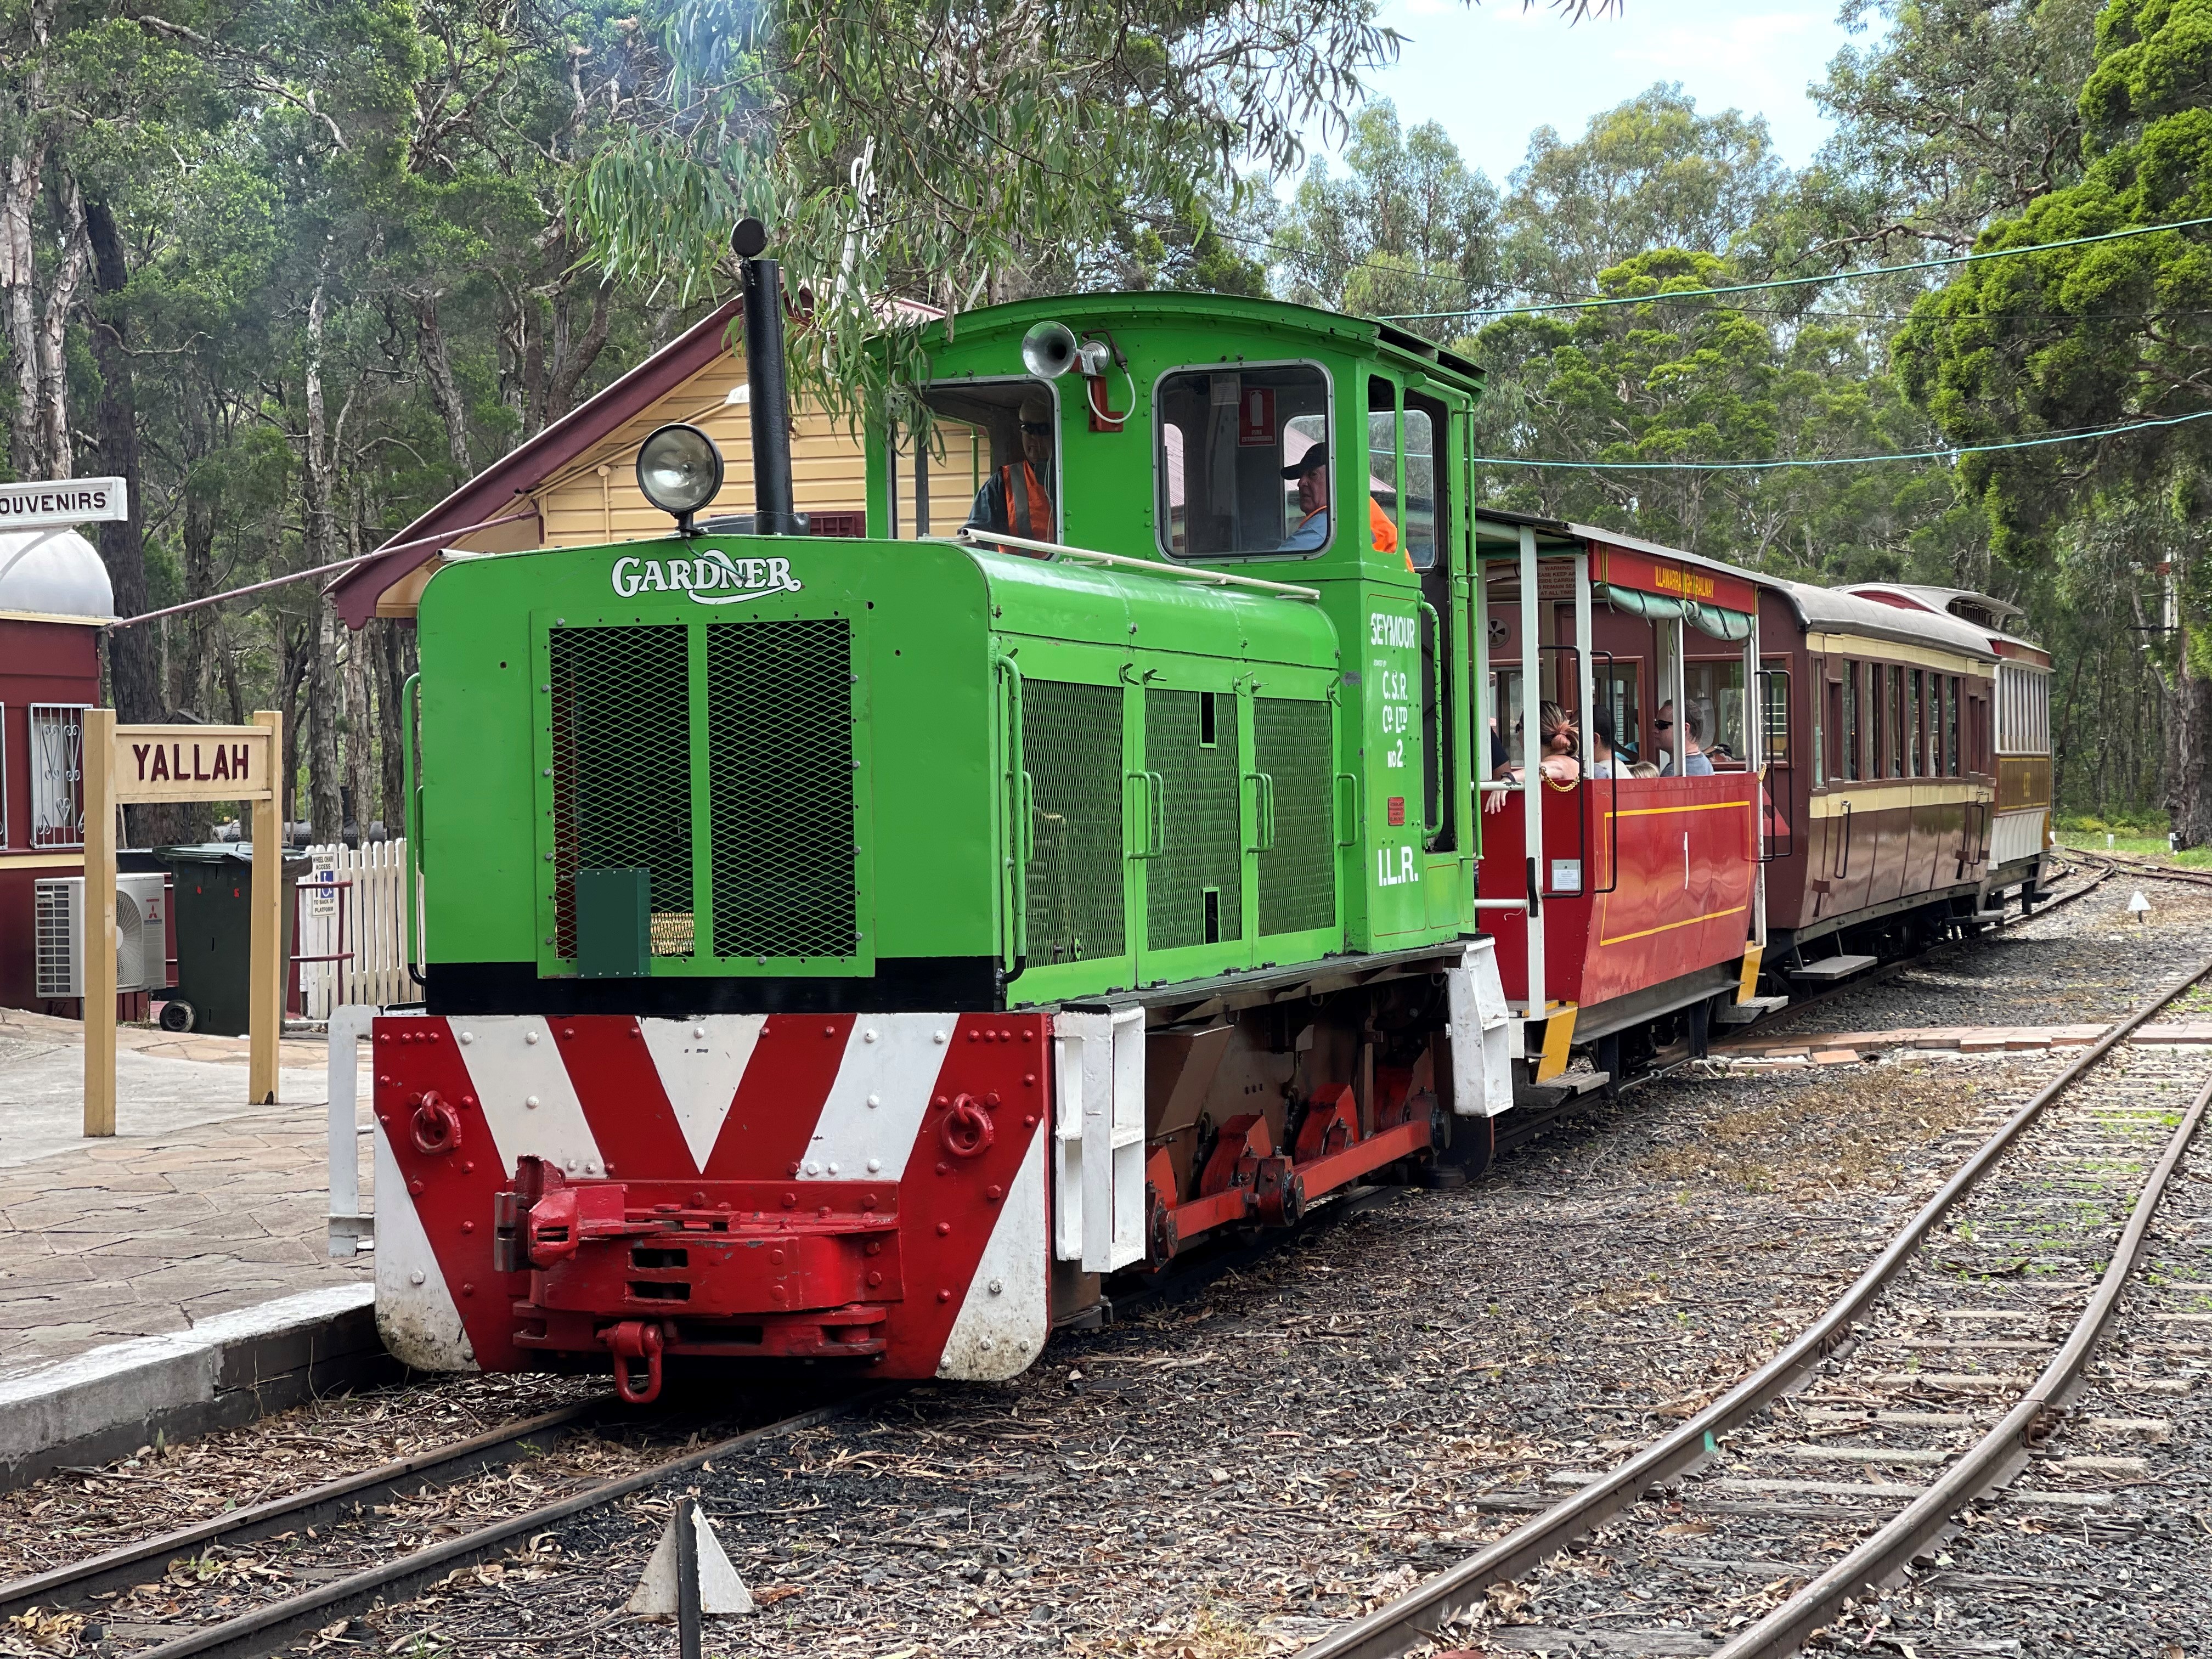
(1407, 1625)
(274, 1626)
(1991, 1460)
(1121, 561)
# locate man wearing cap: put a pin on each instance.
(1311, 471)
(1013, 499)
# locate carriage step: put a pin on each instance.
(1831, 969)
(1556, 1092)
(1743, 1014)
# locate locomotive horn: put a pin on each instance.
(766, 393)
(1050, 350)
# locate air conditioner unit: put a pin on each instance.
(142, 955)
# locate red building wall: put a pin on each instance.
(41, 662)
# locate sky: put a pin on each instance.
(1493, 74)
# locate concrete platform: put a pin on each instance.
(174, 1276)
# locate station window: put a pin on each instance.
(1226, 437)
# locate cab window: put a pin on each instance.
(1227, 437)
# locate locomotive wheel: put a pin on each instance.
(1474, 1145)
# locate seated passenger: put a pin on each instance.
(1013, 500)
(1311, 471)
(1662, 728)
(1557, 761)
(1643, 769)
(1601, 761)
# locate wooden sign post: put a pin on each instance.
(125, 764)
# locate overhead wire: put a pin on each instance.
(1789, 282)
(1947, 453)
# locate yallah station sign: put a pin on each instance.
(57, 503)
(128, 764)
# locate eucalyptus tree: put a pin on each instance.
(1407, 227)
(940, 152)
(1650, 173)
(2069, 339)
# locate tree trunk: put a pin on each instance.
(325, 814)
(203, 627)
(298, 646)
(2189, 754)
(360, 778)
(573, 355)
(19, 285)
(395, 657)
(55, 437)
(445, 391)
(134, 654)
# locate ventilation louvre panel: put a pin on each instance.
(780, 770)
(1291, 742)
(1072, 750)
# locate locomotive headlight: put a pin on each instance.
(680, 470)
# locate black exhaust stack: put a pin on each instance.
(770, 401)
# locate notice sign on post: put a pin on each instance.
(57, 503)
(127, 764)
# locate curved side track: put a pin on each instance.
(1409, 1624)
(1991, 1461)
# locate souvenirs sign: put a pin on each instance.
(57, 503)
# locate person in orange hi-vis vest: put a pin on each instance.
(1013, 499)
(1311, 471)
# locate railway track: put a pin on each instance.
(319, 1516)
(1849, 1393)
(2143, 867)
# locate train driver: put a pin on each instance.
(1663, 736)
(1013, 499)
(1311, 471)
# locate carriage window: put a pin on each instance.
(1226, 438)
(1715, 692)
(1896, 722)
(1916, 734)
(1851, 726)
(1774, 688)
(1951, 726)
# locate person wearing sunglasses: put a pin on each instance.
(1695, 765)
(1013, 500)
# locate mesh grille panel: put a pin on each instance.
(780, 738)
(1072, 750)
(1292, 743)
(1199, 795)
(622, 770)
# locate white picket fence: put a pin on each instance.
(373, 911)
